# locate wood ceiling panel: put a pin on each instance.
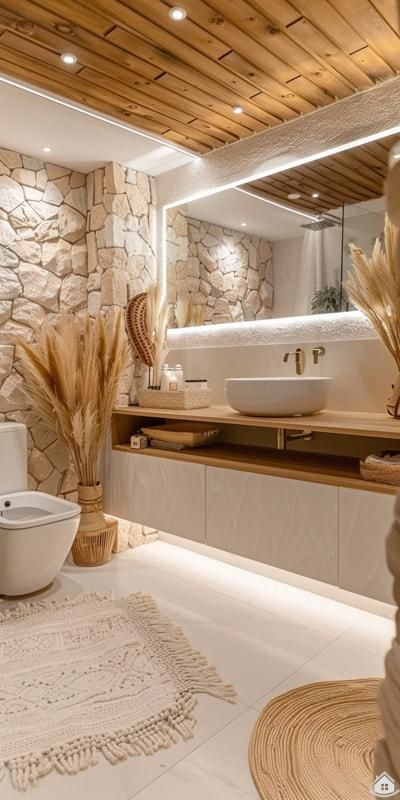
(275, 59)
(280, 42)
(353, 176)
(364, 17)
(304, 31)
(389, 10)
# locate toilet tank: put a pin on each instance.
(13, 457)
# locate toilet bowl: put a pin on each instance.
(36, 529)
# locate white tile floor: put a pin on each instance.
(263, 636)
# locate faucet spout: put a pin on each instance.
(283, 437)
(299, 358)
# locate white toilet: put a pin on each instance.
(36, 529)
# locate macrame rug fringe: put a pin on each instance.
(159, 732)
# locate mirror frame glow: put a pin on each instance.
(324, 327)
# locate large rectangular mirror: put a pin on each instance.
(279, 246)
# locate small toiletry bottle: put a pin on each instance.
(179, 377)
(165, 378)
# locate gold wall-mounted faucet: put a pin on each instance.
(299, 357)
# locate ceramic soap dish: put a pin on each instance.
(185, 399)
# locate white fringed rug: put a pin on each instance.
(94, 675)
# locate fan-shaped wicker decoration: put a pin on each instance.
(136, 326)
(317, 742)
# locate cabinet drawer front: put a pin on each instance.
(289, 524)
(163, 494)
(365, 519)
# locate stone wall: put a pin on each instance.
(121, 242)
(43, 270)
(227, 272)
(67, 241)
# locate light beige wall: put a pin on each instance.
(362, 371)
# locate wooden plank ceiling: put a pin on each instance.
(354, 176)
(274, 58)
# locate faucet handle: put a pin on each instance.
(317, 352)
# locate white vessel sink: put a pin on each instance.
(278, 397)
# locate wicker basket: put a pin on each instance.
(187, 434)
(96, 534)
(188, 398)
(380, 471)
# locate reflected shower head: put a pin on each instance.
(321, 224)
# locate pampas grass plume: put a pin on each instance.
(373, 286)
(71, 374)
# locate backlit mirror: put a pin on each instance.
(279, 246)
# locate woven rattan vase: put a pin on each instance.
(96, 535)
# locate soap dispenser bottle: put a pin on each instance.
(165, 378)
(180, 378)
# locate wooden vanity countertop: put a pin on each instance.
(350, 423)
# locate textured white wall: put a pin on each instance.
(363, 114)
(321, 327)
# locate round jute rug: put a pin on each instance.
(317, 742)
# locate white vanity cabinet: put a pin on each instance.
(161, 493)
(365, 519)
(309, 513)
(290, 524)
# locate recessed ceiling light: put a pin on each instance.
(64, 27)
(177, 13)
(244, 224)
(294, 196)
(315, 194)
(68, 58)
(237, 109)
(24, 26)
(46, 149)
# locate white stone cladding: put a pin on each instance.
(121, 247)
(43, 270)
(67, 241)
(229, 272)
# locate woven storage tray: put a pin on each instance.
(380, 472)
(188, 398)
(188, 434)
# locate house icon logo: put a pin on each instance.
(384, 786)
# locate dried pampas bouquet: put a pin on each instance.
(374, 288)
(157, 317)
(187, 313)
(71, 376)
